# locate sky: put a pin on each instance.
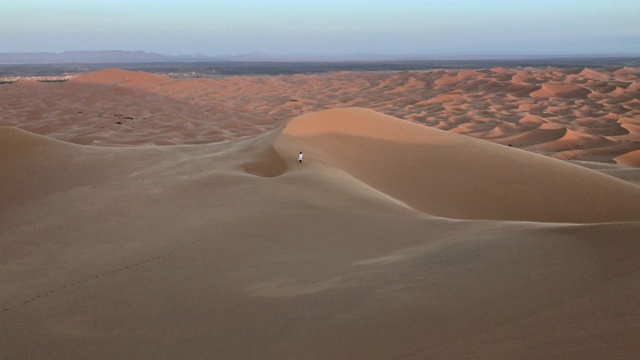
(327, 27)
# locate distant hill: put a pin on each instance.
(111, 56)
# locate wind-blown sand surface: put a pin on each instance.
(393, 240)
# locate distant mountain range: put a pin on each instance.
(120, 56)
(111, 56)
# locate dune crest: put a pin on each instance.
(449, 175)
(630, 159)
(17, 142)
(39, 166)
(549, 90)
(115, 76)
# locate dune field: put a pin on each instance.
(570, 114)
(447, 214)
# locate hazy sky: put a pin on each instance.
(336, 27)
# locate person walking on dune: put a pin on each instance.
(300, 157)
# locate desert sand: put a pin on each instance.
(450, 214)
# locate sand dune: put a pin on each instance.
(560, 90)
(122, 77)
(114, 107)
(630, 158)
(453, 176)
(393, 240)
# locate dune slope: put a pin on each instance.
(450, 175)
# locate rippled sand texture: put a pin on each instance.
(575, 114)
